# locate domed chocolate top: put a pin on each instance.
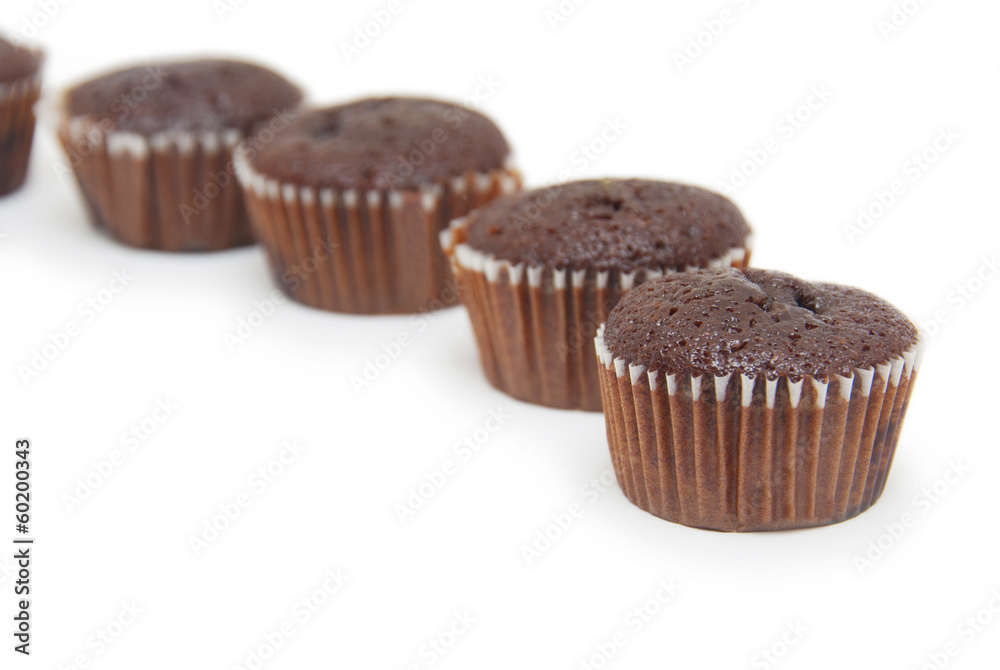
(383, 143)
(755, 322)
(609, 224)
(202, 95)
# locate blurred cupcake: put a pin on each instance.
(20, 83)
(349, 200)
(752, 400)
(540, 270)
(151, 147)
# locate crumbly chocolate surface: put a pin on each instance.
(609, 224)
(17, 62)
(201, 95)
(383, 143)
(755, 322)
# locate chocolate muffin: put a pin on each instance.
(540, 270)
(20, 85)
(151, 147)
(745, 400)
(350, 199)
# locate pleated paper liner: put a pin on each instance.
(736, 453)
(172, 191)
(17, 129)
(371, 252)
(535, 326)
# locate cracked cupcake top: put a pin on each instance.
(609, 224)
(383, 143)
(755, 322)
(201, 95)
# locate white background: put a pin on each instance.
(333, 508)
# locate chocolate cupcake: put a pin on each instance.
(540, 270)
(349, 200)
(747, 400)
(20, 84)
(151, 147)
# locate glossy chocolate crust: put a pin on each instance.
(383, 143)
(755, 322)
(193, 96)
(610, 225)
(17, 62)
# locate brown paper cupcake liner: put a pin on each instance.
(17, 129)
(736, 453)
(363, 252)
(535, 326)
(172, 191)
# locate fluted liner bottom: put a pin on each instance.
(371, 252)
(736, 453)
(535, 326)
(173, 191)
